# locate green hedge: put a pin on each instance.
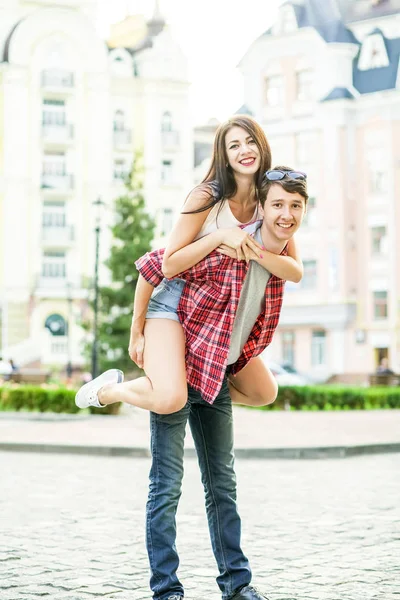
(336, 397)
(39, 399)
(323, 397)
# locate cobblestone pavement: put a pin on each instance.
(72, 528)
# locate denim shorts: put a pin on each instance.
(165, 299)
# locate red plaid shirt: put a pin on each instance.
(207, 310)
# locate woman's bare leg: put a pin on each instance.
(254, 385)
(164, 389)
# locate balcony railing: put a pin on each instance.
(57, 134)
(122, 137)
(58, 236)
(55, 78)
(57, 182)
(170, 140)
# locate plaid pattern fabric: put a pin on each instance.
(207, 312)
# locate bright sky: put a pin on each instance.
(214, 35)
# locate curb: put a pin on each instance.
(240, 453)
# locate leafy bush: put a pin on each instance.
(43, 399)
(335, 397)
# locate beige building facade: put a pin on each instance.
(72, 111)
(324, 83)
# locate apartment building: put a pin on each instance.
(73, 109)
(324, 83)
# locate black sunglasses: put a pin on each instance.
(276, 175)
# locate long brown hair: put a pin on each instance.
(220, 183)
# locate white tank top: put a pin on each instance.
(221, 218)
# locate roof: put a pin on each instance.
(244, 110)
(381, 78)
(339, 93)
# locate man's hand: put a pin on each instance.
(136, 347)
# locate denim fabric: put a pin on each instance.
(165, 299)
(212, 430)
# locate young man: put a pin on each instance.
(229, 311)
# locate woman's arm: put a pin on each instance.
(288, 267)
(182, 252)
(141, 302)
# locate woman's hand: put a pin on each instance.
(234, 238)
(136, 347)
(250, 249)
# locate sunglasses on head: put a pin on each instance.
(276, 175)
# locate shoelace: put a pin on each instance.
(175, 597)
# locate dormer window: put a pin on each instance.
(373, 53)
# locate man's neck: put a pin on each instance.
(272, 244)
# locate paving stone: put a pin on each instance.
(72, 528)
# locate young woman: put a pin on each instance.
(227, 198)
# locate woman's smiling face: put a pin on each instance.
(242, 151)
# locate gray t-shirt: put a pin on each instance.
(251, 303)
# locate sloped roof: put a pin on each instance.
(339, 93)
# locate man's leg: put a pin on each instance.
(212, 430)
(167, 442)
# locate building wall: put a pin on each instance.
(71, 115)
(349, 149)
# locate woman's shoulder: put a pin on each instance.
(202, 196)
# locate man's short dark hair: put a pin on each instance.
(289, 185)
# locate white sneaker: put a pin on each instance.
(87, 394)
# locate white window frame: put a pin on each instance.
(318, 348)
(274, 90)
(54, 265)
(373, 53)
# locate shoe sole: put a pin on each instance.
(82, 391)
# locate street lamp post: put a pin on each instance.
(98, 204)
(69, 327)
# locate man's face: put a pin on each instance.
(283, 213)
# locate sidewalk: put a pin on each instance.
(258, 434)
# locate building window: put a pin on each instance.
(166, 171)
(56, 324)
(54, 265)
(54, 163)
(310, 216)
(167, 220)
(166, 122)
(380, 299)
(304, 85)
(288, 342)
(119, 120)
(121, 171)
(53, 112)
(309, 280)
(274, 90)
(378, 181)
(54, 214)
(378, 240)
(318, 348)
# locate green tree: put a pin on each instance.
(132, 232)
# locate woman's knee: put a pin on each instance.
(268, 395)
(172, 401)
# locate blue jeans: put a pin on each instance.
(212, 430)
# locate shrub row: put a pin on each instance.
(39, 399)
(62, 400)
(336, 397)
